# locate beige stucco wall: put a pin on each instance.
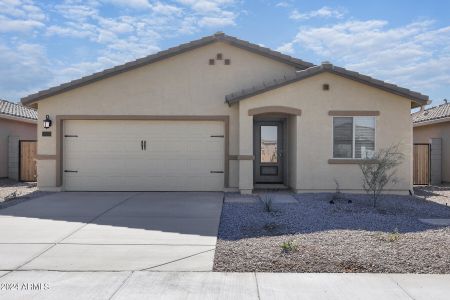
(314, 129)
(292, 151)
(182, 85)
(187, 85)
(423, 134)
(25, 131)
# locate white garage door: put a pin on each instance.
(143, 155)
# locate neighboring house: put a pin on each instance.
(193, 117)
(16, 123)
(432, 126)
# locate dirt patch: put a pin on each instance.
(340, 237)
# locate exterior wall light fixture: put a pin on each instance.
(47, 122)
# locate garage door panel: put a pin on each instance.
(186, 145)
(150, 183)
(83, 144)
(180, 155)
(137, 167)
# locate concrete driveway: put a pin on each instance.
(111, 231)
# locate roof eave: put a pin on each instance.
(18, 119)
(431, 122)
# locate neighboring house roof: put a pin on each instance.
(432, 115)
(298, 63)
(326, 67)
(10, 110)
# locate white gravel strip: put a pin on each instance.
(12, 192)
(340, 237)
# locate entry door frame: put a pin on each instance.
(280, 178)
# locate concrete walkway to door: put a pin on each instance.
(111, 231)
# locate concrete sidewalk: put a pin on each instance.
(209, 285)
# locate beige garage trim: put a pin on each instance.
(275, 109)
(342, 161)
(46, 157)
(60, 130)
(241, 157)
(358, 113)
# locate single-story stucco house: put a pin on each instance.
(201, 117)
(17, 123)
(432, 126)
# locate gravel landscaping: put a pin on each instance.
(13, 192)
(312, 235)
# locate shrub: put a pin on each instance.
(390, 237)
(267, 201)
(393, 236)
(270, 226)
(289, 246)
(337, 195)
(380, 170)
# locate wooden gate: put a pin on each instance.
(421, 169)
(27, 161)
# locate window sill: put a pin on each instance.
(347, 161)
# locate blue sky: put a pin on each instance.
(45, 43)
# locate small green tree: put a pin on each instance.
(379, 170)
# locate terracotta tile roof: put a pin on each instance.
(431, 114)
(326, 67)
(298, 63)
(17, 110)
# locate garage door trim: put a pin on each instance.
(60, 131)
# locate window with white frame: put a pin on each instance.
(353, 137)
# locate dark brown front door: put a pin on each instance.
(268, 147)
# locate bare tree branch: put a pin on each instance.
(380, 170)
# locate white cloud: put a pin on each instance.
(21, 9)
(76, 12)
(284, 4)
(104, 39)
(224, 19)
(116, 26)
(209, 13)
(8, 25)
(20, 16)
(166, 9)
(130, 3)
(204, 6)
(416, 55)
(25, 67)
(67, 32)
(287, 48)
(324, 12)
